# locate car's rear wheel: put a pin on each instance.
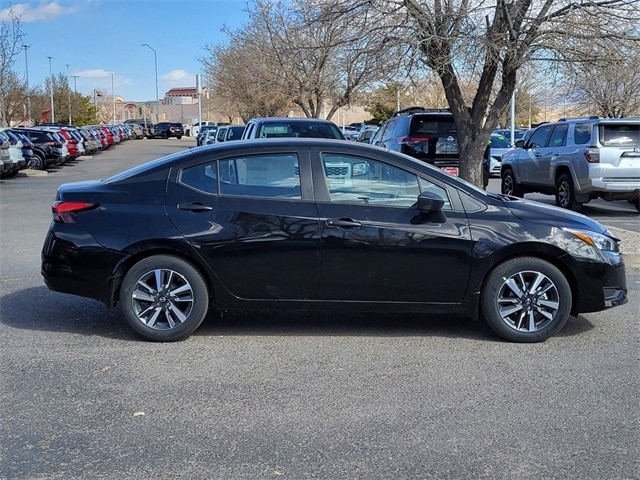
(164, 298)
(565, 193)
(38, 162)
(509, 185)
(526, 299)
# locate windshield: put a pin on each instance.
(499, 141)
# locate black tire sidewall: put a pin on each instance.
(572, 204)
(494, 281)
(195, 279)
(38, 162)
(515, 190)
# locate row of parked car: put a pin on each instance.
(47, 145)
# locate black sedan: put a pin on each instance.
(322, 224)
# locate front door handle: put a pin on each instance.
(195, 207)
(342, 222)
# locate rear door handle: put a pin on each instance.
(194, 207)
(342, 222)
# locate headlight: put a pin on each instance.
(597, 240)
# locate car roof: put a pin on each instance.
(258, 146)
(290, 120)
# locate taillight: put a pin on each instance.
(63, 211)
(592, 155)
(413, 140)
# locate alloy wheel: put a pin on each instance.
(528, 301)
(162, 299)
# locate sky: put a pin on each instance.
(89, 40)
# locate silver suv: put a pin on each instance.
(577, 160)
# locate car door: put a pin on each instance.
(554, 153)
(376, 246)
(251, 220)
(534, 167)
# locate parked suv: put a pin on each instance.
(577, 160)
(166, 130)
(429, 135)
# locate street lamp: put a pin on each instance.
(26, 71)
(69, 92)
(155, 60)
(113, 96)
(53, 115)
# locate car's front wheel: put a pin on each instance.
(526, 299)
(164, 298)
(509, 185)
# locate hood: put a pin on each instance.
(554, 216)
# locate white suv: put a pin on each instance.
(577, 160)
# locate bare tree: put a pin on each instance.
(11, 36)
(608, 85)
(485, 44)
(289, 51)
(239, 76)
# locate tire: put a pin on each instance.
(38, 162)
(565, 193)
(179, 137)
(509, 185)
(164, 298)
(636, 203)
(526, 300)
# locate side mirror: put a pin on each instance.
(430, 202)
(520, 143)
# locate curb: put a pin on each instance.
(29, 172)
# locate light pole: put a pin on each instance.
(75, 92)
(53, 115)
(113, 96)
(26, 73)
(69, 91)
(155, 61)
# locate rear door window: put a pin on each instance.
(272, 175)
(559, 136)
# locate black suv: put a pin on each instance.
(426, 134)
(166, 130)
(47, 149)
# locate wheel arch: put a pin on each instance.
(561, 170)
(548, 253)
(140, 253)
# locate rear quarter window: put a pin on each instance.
(582, 133)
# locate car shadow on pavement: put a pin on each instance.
(57, 312)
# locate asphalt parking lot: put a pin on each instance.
(301, 396)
